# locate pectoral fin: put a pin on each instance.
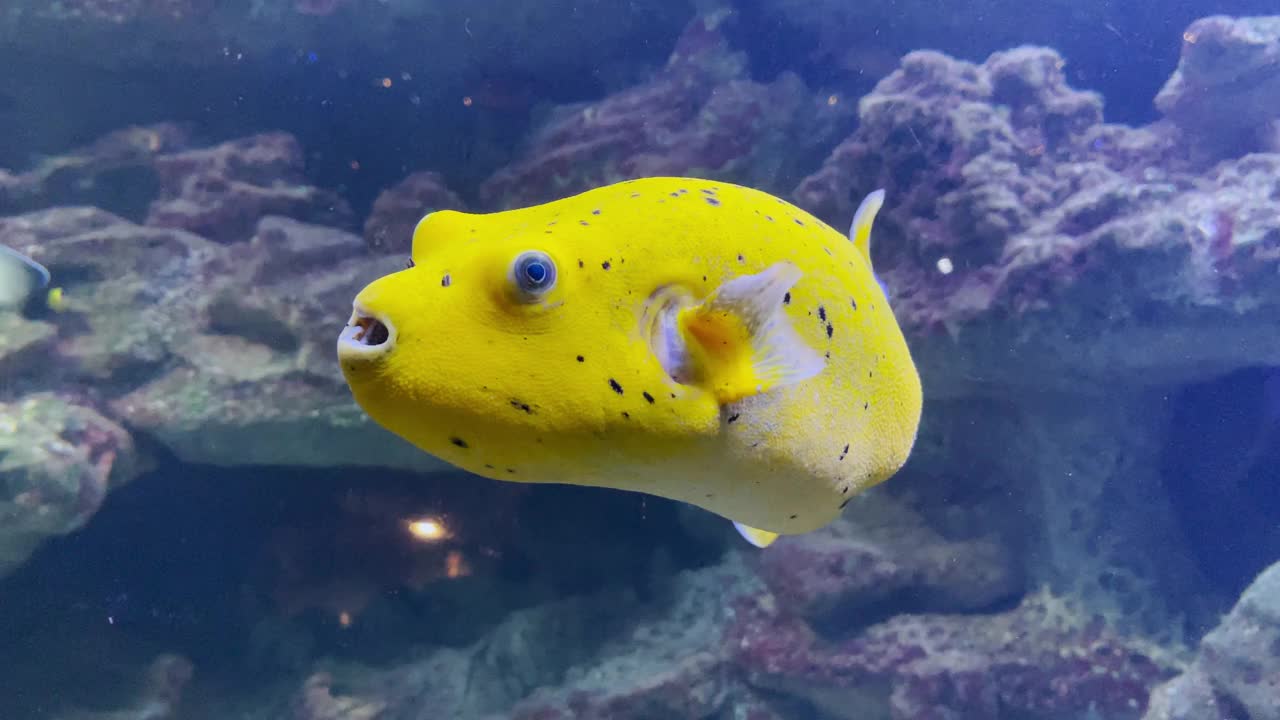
(741, 340)
(759, 538)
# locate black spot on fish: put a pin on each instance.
(616, 387)
(866, 405)
(553, 222)
(828, 354)
(489, 467)
(844, 452)
(708, 191)
(822, 313)
(446, 281)
(854, 303)
(673, 396)
(635, 195)
(786, 299)
(459, 442)
(409, 264)
(799, 221)
(712, 201)
(605, 265)
(733, 418)
(740, 259)
(709, 496)
(511, 471)
(846, 502)
(647, 396)
(675, 194)
(844, 490)
(519, 405)
(826, 249)
(684, 191)
(596, 211)
(870, 373)
(581, 264)
(830, 330)
(704, 278)
(626, 414)
(793, 517)
(769, 218)
(581, 359)
(583, 222)
(547, 232)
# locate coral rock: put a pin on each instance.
(1237, 670)
(838, 574)
(700, 115)
(1037, 660)
(1224, 90)
(113, 173)
(58, 461)
(221, 192)
(317, 702)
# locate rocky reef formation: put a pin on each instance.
(699, 115)
(730, 640)
(1072, 270)
(1059, 279)
(58, 461)
(1227, 63)
(1236, 672)
(158, 698)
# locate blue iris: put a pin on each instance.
(534, 273)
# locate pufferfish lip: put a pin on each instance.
(366, 335)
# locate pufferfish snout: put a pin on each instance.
(365, 336)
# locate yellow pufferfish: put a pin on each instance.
(695, 340)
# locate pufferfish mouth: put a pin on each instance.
(365, 335)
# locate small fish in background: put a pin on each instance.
(24, 285)
(694, 340)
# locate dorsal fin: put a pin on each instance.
(860, 230)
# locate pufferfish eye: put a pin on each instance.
(534, 273)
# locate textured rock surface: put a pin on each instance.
(885, 558)
(159, 698)
(1233, 65)
(1040, 659)
(1237, 670)
(700, 115)
(224, 354)
(114, 173)
(58, 461)
(220, 192)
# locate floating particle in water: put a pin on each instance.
(944, 265)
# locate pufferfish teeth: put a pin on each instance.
(366, 334)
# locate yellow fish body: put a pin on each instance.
(690, 339)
